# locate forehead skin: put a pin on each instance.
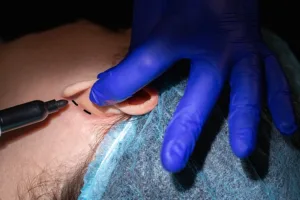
(40, 66)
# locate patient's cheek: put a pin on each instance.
(59, 144)
(74, 135)
(63, 137)
(77, 123)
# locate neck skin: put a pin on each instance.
(40, 66)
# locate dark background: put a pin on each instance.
(17, 19)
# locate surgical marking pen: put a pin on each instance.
(28, 113)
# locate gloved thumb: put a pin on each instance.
(136, 70)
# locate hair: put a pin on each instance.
(66, 183)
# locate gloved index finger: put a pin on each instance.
(139, 68)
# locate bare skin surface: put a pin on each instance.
(41, 66)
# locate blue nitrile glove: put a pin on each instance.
(222, 39)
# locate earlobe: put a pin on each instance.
(77, 88)
(140, 103)
(79, 94)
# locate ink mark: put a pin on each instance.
(87, 112)
(75, 103)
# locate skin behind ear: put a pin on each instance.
(140, 103)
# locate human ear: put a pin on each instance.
(140, 103)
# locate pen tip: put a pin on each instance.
(61, 103)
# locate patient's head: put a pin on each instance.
(60, 63)
(48, 160)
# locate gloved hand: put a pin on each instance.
(223, 41)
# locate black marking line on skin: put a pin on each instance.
(87, 112)
(76, 104)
